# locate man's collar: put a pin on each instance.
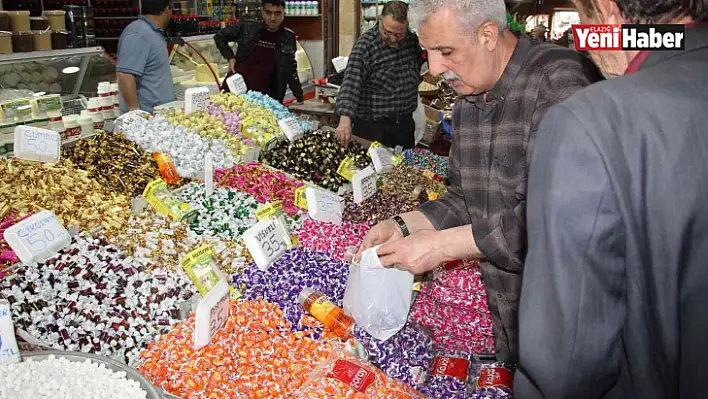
(151, 23)
(498, 92)
(696, 38)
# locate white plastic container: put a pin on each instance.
(105, 100)
(56, 123)
(85, 123)
(116, 99)
(94, 108)
(72, 126)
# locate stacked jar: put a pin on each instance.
(56, 123)
(22, 40)
(106, 100)
(59, 37)
(116, 100)
(71, 124)
(94, 108)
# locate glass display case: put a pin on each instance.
(199, 63)
(70, 72)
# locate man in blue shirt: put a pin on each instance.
(144, 75)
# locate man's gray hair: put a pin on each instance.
(397, 10)
(470, 13)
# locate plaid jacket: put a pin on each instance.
(491, 149)
(381, 81)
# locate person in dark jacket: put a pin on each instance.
(265, 56)
(614, 302)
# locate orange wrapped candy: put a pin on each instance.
(345, 376)
(255, 355)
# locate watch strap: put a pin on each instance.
(402, 225)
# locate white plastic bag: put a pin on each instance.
(420, 121)
(378, 299)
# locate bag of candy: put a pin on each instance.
(343, 375)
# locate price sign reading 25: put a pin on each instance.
(364, 185)
(266, 242)
(38, 237)
(211, 315)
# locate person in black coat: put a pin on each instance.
(265, 56)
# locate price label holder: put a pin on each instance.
(37, 144)
(301, 197)
(38, 237)
(212, 313)
(209, 174)
(373, 146)
(9, 352)
(382, 159)
(266, 242)
(252, 154)
(236, 84)
(271, 143)
(196, 99)
(347, 169)
(324, 206)
(270, 210)
(364, 183)
(291, 127)
(340, 63)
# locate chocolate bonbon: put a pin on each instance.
(315, 158)
(91, 298)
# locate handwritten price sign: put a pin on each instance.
(364, 185)
(38, 237)
(323, 206)
(382, 159)
(266, 242)
(36, 144)
(196, 99)
(212, 313)
(236, 84)
(291, 127)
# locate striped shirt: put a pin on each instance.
(491, 148)
(381, 81)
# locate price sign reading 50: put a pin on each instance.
(211, 315)
(36, 144)
(38, 237)
(364, 185)
(323, 206)
(266, 242)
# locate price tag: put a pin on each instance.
(38, 237)
(252, 154)
(382, 159)
(9, 352)
(196, 99)
(209, 174)
(236, 84)
(324, 206)
(364, 183)
(291, 127)
(301, 198)
(340, 63)
(373, 146)
(270, 210)
(212, 313)
(37, 144)
(270, 144)
(265, 242)
(347, 169)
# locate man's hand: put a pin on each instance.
(384, 232)
(344, 130)
(232, 65)
(417, 253)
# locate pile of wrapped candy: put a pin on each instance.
(130, 284)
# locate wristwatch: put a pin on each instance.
(402, 225)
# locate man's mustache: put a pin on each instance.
(448, 76)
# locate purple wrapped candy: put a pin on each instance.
(494, 381)
(284, 280)
(405, 356)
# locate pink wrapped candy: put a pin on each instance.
(454, 307)
(331, 238)
(265, 185)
